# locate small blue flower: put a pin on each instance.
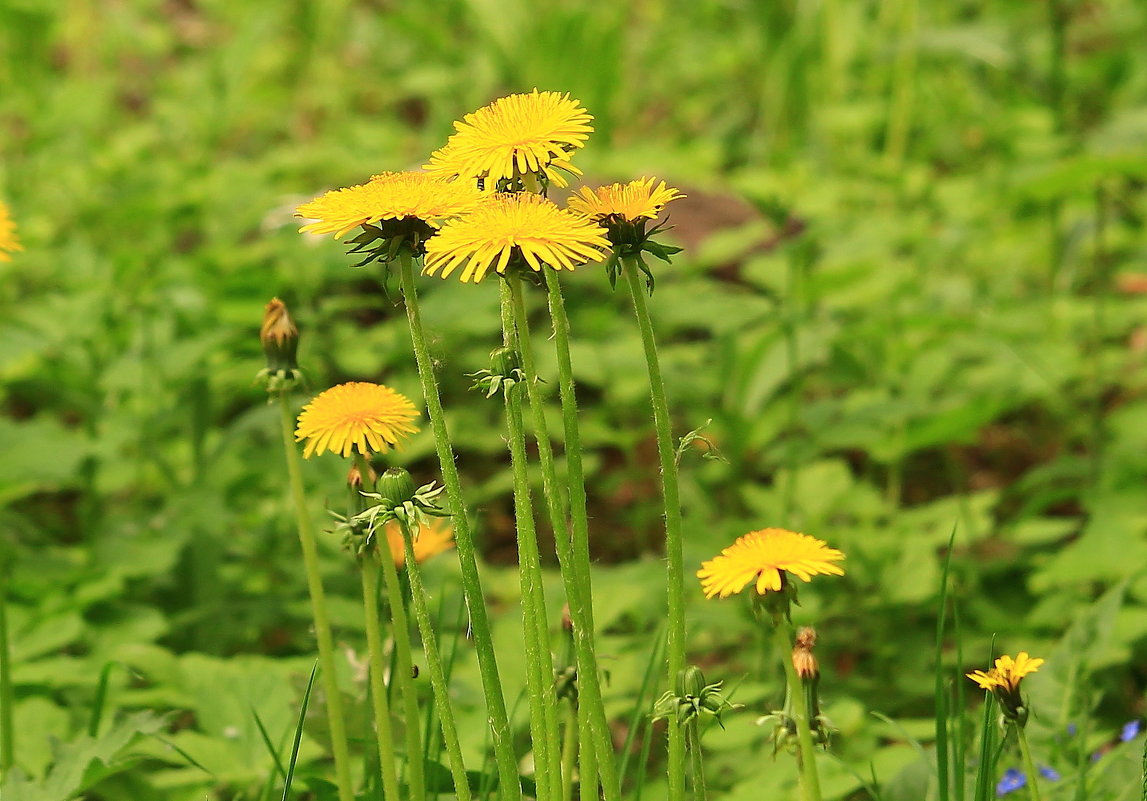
(1049, 773)
(1130, 730)
(1013, 780)
(1072, 729)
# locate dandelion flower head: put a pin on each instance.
(761, 556)
(9, 242)
(388, 196)
(371, 417)
(518, 224)
(629, 202)
(1007, 673)
(533, 133)
(434, 538)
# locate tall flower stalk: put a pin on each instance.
(279, 338)
(769, 559)
(398, 213)
(509, 786)
(539, 659)
(625, 210)
(574, 564)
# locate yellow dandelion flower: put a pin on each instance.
(9, 242)
(1007, 673)
(372, 417)
(1003, 681)
(432, 539)
(761, 556)
(523, 134)
(414, 196)
(520, 225)
(629, 202)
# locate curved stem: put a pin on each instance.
(509, 787)
(675, 579)
(404, 664)
(539, 663)
(384, 733)
(322, 625)
(809, 780)
(1029, 765)
(575, 574)
(434, 667)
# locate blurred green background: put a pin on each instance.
(912, 298)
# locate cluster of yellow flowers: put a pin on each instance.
(467, 219)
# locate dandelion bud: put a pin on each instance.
(280, 337)
(396, 486)
(803, 659)
(504, 361)
(354, 477)
(567, 621)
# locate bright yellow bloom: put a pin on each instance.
(519, 224)
(9, 242)
(1007, 673)
(432, 540)
(760, 556)
(629, 202)
(371, 417)
(514, 136)
(389, 196)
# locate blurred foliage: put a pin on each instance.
(913, 296)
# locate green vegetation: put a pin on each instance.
(912, 301)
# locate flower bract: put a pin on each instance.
(519, 226)
(9, 242)
(760, 557)
(523, 134)
(388, 196)
(436, 537)
(629, 202)
(371, 417)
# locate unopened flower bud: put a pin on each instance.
(354, 477)
(567, 621)
(803, 659)
(396, 486)
(280, 337)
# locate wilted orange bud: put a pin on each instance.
(803, 660)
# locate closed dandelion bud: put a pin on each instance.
(354, 477)
(567, 621)
(690, 681)
(504, 362)
(396, 486)
(803, 659)
(280, 337)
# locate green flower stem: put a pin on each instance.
(809, 780)
(587, 758)
(675, 579)
(378, 693)
(434, 667)
(322, 625)
(569, 751)
(575, 578)
(1029, 765)
(576, 472)
(539, 663)
(404, 666)
(509, 786)
(693, 744)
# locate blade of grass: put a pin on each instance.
(298, 734)
(641, 705)
(940, 693)
(99, 700)
(274, 752)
